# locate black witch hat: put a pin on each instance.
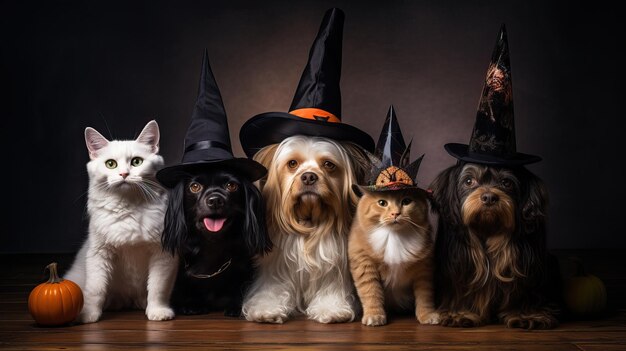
(207, 143)
(392, 169)
(493, 137)
(316, 106)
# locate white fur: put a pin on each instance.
(122, 263)
(397, 248)
(307, 270)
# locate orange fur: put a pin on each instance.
(390, 254)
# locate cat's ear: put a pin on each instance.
(95, 142)
(150, 136)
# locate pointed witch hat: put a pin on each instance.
(316, 106)
(207, 142)
(493, 137)
(392, 169)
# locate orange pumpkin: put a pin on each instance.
(55, 302)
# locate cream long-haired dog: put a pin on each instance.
(309, 212)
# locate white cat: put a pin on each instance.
(122, 263)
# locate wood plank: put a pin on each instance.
(136, 320)
(601, 347)
(332, 335)
(298, 347)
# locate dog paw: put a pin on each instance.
(373, 320)
(90, 314)
(159, 313)
(429, 318)
(537, 320)
(459, 319)
(326, 315)
(266, 317)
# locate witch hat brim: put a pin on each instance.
(170, 176)
(316, 106)
(207, 142)
(274, 127)
(462, 152)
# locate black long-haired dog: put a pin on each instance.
(215, 223)
(490, 250)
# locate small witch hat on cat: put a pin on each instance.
(391, 167)
(207, 143)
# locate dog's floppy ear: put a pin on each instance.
(445, 197)
(265, 157)
(359, 159)
(175, 225)
(255, 229)
(534, 201)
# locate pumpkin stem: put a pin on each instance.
(580, 268)
(54, 275)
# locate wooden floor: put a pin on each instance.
(130, 330)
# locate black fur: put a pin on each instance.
(243, 236)
(539, 287)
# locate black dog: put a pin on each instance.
(215, 223)
(490, 250)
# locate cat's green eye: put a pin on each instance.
(136, 161)
(110, 164)
(382, 203)
(406, 201)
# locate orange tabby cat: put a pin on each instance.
(391, 254)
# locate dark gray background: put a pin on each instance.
(66, 65)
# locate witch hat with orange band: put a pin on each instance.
(316, 106)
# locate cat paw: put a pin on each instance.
(326, 315)
(429, 318)
(373, 320)
(536, 320)
(460, 319)
(90, 314)
(159, 313)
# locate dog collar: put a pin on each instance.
(220, 270)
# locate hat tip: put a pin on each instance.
(391, 113)
(503, 31)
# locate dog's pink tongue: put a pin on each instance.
(214, 225)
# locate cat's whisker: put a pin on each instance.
(152, 182)
(141, 191)
(415, 224)
(149, 193)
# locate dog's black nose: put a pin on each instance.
(309, 178)
(489, 198)
(215, 202)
